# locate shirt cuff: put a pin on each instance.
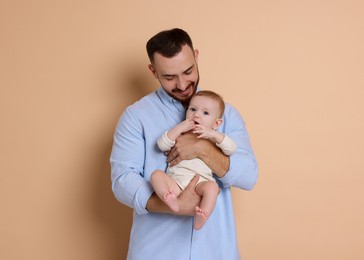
(142, 197)
(164, 143)
(227, 145)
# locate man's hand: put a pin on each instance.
(189, 199)
(187, 147)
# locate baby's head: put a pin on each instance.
(206, 108)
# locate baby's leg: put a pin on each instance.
(166, 188)
(209, 191)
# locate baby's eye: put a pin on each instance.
(206, 113)
(192, 109)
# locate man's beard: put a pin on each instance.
(186, 101)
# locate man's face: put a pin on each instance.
(178, 75)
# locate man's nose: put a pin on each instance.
(182, 84)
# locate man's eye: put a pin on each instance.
(188, 72)
(168, 78)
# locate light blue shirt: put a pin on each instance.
(135, 155)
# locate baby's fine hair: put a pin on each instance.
(214, 96)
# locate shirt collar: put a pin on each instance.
(165, 98)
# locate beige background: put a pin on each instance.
(294, 69)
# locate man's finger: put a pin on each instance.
(193, 182)
(171, 156)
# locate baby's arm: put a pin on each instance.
(227, 146)
(168, 139)
(181, 128)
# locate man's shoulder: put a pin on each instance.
(149, 98)
(232, 117)
(230, 110)
(146, 103)
(145, 109)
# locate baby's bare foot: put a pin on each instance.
(200, 218)
(170, 199)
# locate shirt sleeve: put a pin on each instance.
(126, 160)
(243, 172)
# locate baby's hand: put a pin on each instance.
(203, 131)
(187, 125)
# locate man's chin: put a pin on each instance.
(184, 98)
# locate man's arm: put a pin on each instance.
(128, 184)
(243, 169)
(188, 146)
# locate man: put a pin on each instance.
(157, 232)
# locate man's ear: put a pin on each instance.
(153, 70)
(218, 123)
(196, 55)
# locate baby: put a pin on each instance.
(203, 117)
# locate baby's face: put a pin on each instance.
(204, 111)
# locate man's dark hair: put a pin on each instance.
(168, 43)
